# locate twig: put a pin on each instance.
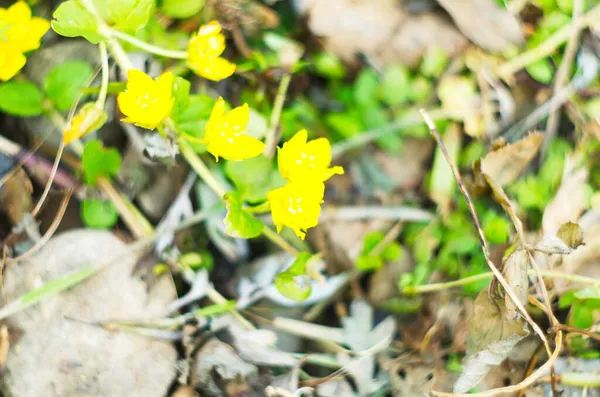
(480, 233)
(568, 328)
(273, 131)
(562, 77)
(547, 47)
(351, 213)
(40, 202)
(435, 287)
(49, 233)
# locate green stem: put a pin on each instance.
(280, 241)
(550, 45)
(105, 76)
(201, 169)
(271, 142)
(163, 52)
(422, 289)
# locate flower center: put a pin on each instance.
(305, 159)
(295, 205)
(144, 101)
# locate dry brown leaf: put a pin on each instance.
(570, 200)
(493, 28)
(381, 30)
(505, 164)
(61, 352)
(515, 272)
(491, 338)
(568, 238)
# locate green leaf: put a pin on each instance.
(392, 252)
(181, 93)
(395, 85)
(581, 316)
(99, 214)
(293, 287)
(182, 8)
(125, 15)
(238, 222)
(420, 90)
(366, 87)
(371, 240)
(193, 118)
(254, 178)
(367, 263)
(99, 162)
(434, 62)
(541, 71)
(344, 124)
(441, 184)
(329, 66)
(21, 98)
(71, 19)
(496, 228)
(299, 266)
(65, 81)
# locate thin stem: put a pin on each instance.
(547, 47)
(163, 52)
(280, 241)
(40, 202)
(201, 169)
(105, 76)
(482, 240)
(273, 133)
(434, 287)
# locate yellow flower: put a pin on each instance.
(87, 120)
(224, 133)
(297, 206)
(204, 53)
(146, 102)
(299, 160)
(11, 61)
(19, 33)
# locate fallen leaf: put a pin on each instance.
(568, 238)
(491, 338)
(505, 164)
(488, 25)
(60, 350)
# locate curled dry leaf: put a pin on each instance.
(491, 338)
(568, 238)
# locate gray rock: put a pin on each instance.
(59, 352)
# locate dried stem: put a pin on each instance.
(40, 202)
(273, 132)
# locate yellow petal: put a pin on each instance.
(19, 11)
(164, 85)
(211, 28)
(238, 148)
(36, 29)
(138, 81)
(214, 69)
(238, 118)
(11, 62)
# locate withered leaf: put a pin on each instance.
(515, 272)
(505, 164)
(491, 338)
(568, 238)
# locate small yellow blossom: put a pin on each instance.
(19, 33)
(300, 160)
(146, 102)
(87, 120)
(204, 53)
(224, 133)
(297, 206)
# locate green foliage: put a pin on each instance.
(99, 162)
(240, 223)
(21, 98)
(329, 66)
(197, 260)
(125, 15)
(182, 8)
(293, 283)
(369, 261)
(395, 85)
(434, 62)
(541, 71)
(71, 19)
(254, 177)
(64, 83)
(99, 214)
(191, 118)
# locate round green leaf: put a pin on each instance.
(292, 286)
(21, 98)
(99, 214)
(395, 85)
(65, 81)
(541, 71)
(329, 66)
(240, 223)
(98, 162)
(182, 8)
(71, 19)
